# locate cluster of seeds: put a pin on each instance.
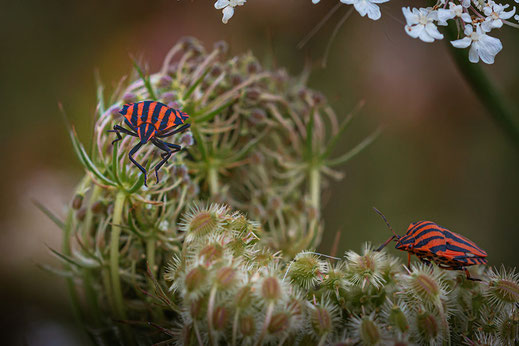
(231, 289)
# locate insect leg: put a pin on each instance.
(132, 152)
(118, 129)
(468, 275)
(180, 129)
(384, 245)
(165, 156)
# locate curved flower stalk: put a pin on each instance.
(259, 140)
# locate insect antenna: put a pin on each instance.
(390, 228)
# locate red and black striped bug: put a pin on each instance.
(430, 242)
(149, 121)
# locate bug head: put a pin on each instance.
(146, 131)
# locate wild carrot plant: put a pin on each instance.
(221, 250)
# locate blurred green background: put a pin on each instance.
(440, 158)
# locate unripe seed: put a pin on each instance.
(225, 277)
(505, 290)
(369, 332)
(211, 253)
(247, 326)
(81, 213)
(243, 298)
(220, 317)
(270, 289)
(321, 320)
(195, 278)
(427, 325)
(203, 223)
(278, 323)
(253, 67)
(165, 81)
(398, 319)
(198, 308)
(221, 46)
(168, 97)
(98, 207)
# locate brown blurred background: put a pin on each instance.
(440, 157)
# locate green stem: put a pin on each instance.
(323, 339)
(484, 88)
(114, 255)
(213, 180)
(150, 254)
(315, 201)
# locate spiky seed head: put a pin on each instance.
(279, 322)
(398, 319)
(226, 277)
(508, 327)
(271, 289)
(247, 325)
(366, 268)
(195, 279)
(425, 284)
(322, 319)
(210, 254)
(199, 221)
(220, 318)
(307, 270)
(243, 298)
(503, 287)
(369, 332)
(428, 326)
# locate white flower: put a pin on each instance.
(366, 7)
(496, 13)
(454, 11)
(420, 24)
(465, 3)
(315, 1)
(228, 8)
(481, 45)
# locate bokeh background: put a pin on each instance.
(440, 157)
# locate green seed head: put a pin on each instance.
(279, 322)
(271, 289)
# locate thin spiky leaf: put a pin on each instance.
(356, 150)
(49, 214)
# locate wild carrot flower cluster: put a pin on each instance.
(260, 141)
(474, 19)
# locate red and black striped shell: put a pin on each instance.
(431, 242)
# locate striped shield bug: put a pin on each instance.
(433, 243)
(149, 121)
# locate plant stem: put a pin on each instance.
(210, 307)
(315, 200)
(235, 326)
(70, 282)
(114, 255)
(213, 180)
(266, 323)
(485, 90)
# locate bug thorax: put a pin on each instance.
(146, 131)
(404, 243)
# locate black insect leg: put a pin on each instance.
(118, 129)
(132, 152)
(180, 129)
(165, 156)
(468, 275)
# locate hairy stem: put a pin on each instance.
(210, 308)
(496, 105)
(266, 323)
(213, 181)
(235, 326)
(114, 255)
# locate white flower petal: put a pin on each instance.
(462, 43)
(432, 30)
(466, 17)
(227, 14)
(221, 4)
(473, 55)
(444, 15)
(315, 1)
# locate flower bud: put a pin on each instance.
(398, 319)
(77, 202)
(221, 46)
(253, 67)
(165, 81)
(236, 79)
(81, 213)
(257, 116)
(129, 98)
(98, 207)
(168, 97)
(243, 297)
(187, 139)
